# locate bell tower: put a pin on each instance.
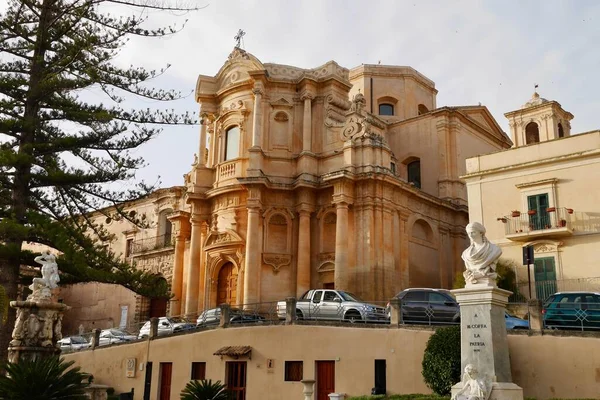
(538, 120)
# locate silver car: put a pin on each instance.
(74, 343)
(166, 326)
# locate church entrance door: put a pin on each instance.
(227, 284)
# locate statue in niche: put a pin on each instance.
(481, 256)
(42, 287)
(474, 387)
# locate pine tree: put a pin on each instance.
(59, 154)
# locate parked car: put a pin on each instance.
(428, 306)
(213, 316)
(74, 343)
(328, 304)
(166, 326)
(572, 310)
(113, 335)
(513, 322)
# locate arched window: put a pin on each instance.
(232, 143)
(414, 173)
(165, 228)
(423, 109)
(532, 133)
(386, 109)
(561, 132)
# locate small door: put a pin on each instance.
(325, 379)
(164, 391)
(236, 379)
(148, 381)
(380, 377)
(227, 285)
(545, 277)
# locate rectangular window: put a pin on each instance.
(198, 371)
(294, 371)
(232, 143)
(128, 247)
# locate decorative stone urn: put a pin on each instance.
(308, 388)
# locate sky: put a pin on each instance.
(488, 52)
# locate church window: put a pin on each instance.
(532, 133)
(232, 143)
(414, 173)
(561, 132)
(386, 109)
(422, 109)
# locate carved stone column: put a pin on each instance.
(303, 268)
(202, 270)
(202, 146)
(341, 246)
(193, 271)
(253, 259)
(257, 117)
(307, 122)
(181, 224)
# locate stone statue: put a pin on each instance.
(481, 256)
(474, 386)
(42, 287)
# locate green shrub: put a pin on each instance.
(205, 390)
(441, 361)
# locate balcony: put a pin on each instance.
(152, 243)
(527, 226)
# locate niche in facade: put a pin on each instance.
(532, 133)
(280, 131)
(278, 234)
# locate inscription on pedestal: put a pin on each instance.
(476, 342)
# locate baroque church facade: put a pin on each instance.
(323, 177)
(313, 178)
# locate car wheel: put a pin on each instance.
(352, 316)
(299, 314)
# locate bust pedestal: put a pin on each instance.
(483, 337)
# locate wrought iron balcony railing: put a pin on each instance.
(152, 243)
(550, 220)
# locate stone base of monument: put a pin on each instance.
(484, 344)
(500, 391)
(37, 329)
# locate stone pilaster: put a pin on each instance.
(253, 257)
(181, 224)
(202, 145)
(304, 254)
(257, 117)
(307, 97)
(202, 270)
(193, 271)
(341, 246)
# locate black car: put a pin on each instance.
(572, 310)
(429, 306)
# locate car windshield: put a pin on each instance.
(78, 340)
(176, 320)
(349, 296)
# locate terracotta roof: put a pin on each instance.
(233, 351)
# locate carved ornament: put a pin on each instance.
(277, 260)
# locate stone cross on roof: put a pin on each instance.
(238, 38)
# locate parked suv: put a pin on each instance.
(572, 310)
(166, 326)
(428, 306)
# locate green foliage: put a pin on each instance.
(44, 379)
(4, 301)
(459, 280)
(205, 390)
(441, 361)
(505, 268)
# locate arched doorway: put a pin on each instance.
(227, 284)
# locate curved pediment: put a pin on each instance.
(222, 238)
(236, 68)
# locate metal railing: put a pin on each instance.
(541, 290)
(152, 243)
(572, 315)
(530, 221)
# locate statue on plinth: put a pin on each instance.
(474, 386)
(42, 287)
(481, 256)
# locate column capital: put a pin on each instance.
(304, 210)
(258, 91)
(307, 95)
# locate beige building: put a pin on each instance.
(545, 193)
(309, 178)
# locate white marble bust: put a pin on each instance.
(481, 256)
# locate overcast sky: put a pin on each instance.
(491, 52)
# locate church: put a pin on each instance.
(313, 178)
